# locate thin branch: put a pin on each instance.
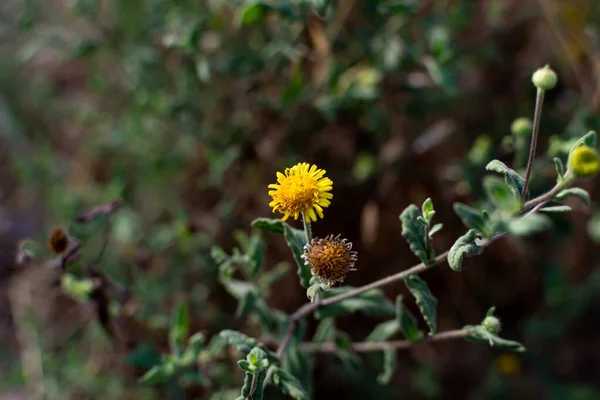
(363, 347)
(539, 100)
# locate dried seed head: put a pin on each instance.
(59, 241)
(330, 258)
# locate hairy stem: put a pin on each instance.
(363, 347)
(307, 228)
(534, 137)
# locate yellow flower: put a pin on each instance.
(301, 189)
(330, 258)
(583, 162)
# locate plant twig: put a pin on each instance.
(363, 347)
(539, 100)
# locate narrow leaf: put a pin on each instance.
(384, 331)
(390, 362)
(372, 302)
(158, 374)
(582, 194)
(560, 169)
(435, 229)
(588, 140)
(556, 209)
(325, 331)
(425, 300)
(465, 246)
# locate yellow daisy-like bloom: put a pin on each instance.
(301, 189)
(330, 259)
(584, 162)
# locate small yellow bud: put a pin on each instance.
(521, 127)
(583, 162)
(544, 78)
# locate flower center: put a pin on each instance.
(298, 193)
(330, 258)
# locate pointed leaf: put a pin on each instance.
(513, 179)
(158, 374)
(435, 229)
(425, 300)
(465, 246)
(588, 140)
(384, 331)
(415, 233)
(560, 169)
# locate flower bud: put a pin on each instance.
(521, 127)
(59, 241)
(583, 162)
(544, 78)
(492, 324)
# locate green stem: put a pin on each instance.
(539, 100)
(307, 229)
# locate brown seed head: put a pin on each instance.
(330, 258)
(58, 241)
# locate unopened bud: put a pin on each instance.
(521, 127)
(544, 78)
(492, 324)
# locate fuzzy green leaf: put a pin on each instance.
(463, 247)
(471, 217)
(415, 234)
(295, 239)
(529, 224)
(500, 194)
(407, 322)
(560, 169)
(372, 302)
(435, 229)
(289, 385)
(384, 331)
(478, 333)
(253, 13)
(513, 179)
(589, 139)
(425, 300)
(158, 374)
(325, 331)
(582, 194)
(427, 210)
(269, 224)
(390, 362)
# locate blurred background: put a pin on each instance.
(185, 109)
